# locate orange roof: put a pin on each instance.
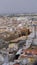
(33, 51)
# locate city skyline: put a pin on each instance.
(18, 6)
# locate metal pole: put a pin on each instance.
(35, 31)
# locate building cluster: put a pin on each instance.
(18, 40)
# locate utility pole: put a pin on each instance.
(34, 30)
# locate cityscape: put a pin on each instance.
(18, 39)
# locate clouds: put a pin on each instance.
(18, 6)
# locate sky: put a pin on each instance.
(18, 6)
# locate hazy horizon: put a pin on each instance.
(18, 6)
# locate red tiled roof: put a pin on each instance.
(33, 51)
